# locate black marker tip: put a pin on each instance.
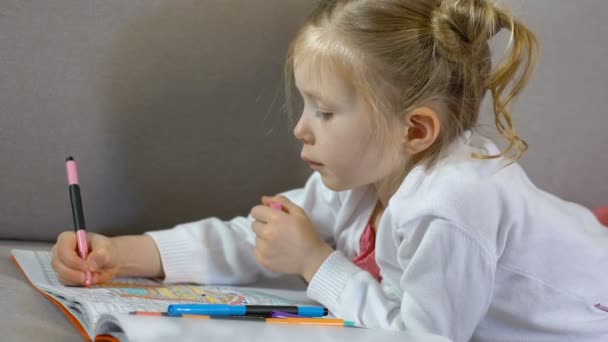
(69, 158)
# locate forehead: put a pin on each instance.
(323, 78)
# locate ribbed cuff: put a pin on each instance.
(328, 283)
(178, 254)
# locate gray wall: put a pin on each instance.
(564, 114)
(173, 110)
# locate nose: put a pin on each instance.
(302, 131)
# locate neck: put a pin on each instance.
(384, 192)
(386, 188)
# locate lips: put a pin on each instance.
(311, 162)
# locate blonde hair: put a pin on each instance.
(401, 54)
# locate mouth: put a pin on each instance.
(313, 164)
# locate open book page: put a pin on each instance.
(124, 295)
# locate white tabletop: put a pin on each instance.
(176, 329)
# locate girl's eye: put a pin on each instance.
(324, 115)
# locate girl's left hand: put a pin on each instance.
(287, 241)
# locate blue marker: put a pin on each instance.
(243, 310)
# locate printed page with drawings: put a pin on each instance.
(123, 295)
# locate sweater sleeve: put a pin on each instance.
(213, 251)
(445, 285)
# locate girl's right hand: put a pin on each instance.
(102, 261)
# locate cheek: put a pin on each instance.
(372, 154)
(353, 154)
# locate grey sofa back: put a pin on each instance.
(173, 108)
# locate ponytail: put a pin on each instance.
(522, 56)
(462, 29)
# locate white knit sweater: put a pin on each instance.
(470, 250)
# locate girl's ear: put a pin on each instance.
(421, 129)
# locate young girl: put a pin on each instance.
(411, 221)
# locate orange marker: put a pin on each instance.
(314, 321)
(291, 320)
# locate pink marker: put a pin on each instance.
(276, 205)
(78, 213)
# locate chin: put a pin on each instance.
(335, 185)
